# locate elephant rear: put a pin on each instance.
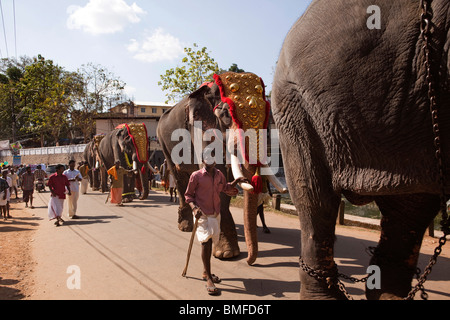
(355, 99)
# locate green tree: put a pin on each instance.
(10, 112)
(234, 68)
(97, 89)
(198, 67)
(47, 91)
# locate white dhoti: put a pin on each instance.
(208, 228)
(55, 207)
(72, 202)
(84, 185)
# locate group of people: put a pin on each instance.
(9, 183)
(202, 195)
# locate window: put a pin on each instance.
(142, 110)
(154, 110)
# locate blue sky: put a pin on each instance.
(138, 40)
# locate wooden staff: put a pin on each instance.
(190, 248)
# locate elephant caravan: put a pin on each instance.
(129, 144)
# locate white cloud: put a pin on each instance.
(160, 46)
(103, 16)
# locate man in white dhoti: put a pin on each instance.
(57, 184)
(74, 177)
(203, 196)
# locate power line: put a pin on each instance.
(4, 29)
(15, 32)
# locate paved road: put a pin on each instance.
(137, 252)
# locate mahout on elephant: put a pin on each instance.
(212, 110)
(353, 111)
(129, 144)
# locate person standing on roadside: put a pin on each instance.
(84, 170)
(74, 177)
(8, 191)
(117, 172)
(14, 180)
(57, 184)
(4, 186)
(28, 187)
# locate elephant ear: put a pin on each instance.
(200, 107)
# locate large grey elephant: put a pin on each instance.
(351, 105)
(212, 106)
(129, 144)
(91, 156)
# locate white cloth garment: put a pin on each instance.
(72, 200)
(208, 228)
(71, 174)
(55, 207)
(84, 185)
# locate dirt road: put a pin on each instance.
(137, 252)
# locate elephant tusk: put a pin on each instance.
(275, 181)
(135, 165)
(237, 173)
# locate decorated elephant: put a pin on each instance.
(91, 156)
(129, 144)
(351, 102)
(214, 106)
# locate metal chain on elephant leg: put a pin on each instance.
(331, 277)
(425, 28)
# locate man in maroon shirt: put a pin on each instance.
(203, 196)
(57, 184)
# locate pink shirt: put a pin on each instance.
(204, 190)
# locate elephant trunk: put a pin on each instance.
(250, 208)
(251, 237)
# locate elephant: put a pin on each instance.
(129, 144)
(90, 155)
(352, 109)
(211, 106)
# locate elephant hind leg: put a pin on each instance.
(317, 203)
(317, 219)
(185, 219)
(404, 222)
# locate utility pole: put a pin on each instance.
(13, 116)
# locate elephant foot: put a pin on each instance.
(185, 226)
(227, 247)
(127, 199)
(325, 294)
(322, 288)
(185, 220)
(224, 254)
